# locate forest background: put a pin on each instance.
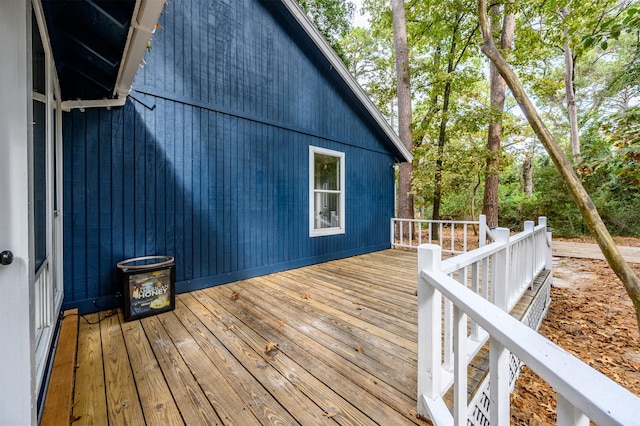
(592, 47)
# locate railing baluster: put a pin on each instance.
(464, 242)
(568, 415)
(500, 286)
(460, 368)
(485, 278)
(453, 237)
(448, 335)
(475, 276)
(499, 407)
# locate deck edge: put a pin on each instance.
(59, 399)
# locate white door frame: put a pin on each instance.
(22, 356)
(17, 357)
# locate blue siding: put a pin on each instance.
(217, 173)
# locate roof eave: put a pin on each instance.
(143, 24)
(146, 14)
(346, 76)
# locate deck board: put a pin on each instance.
(60, 393)
(123, 403)
(346, 352)
(155, 397)
(90, 404)
(188, 395)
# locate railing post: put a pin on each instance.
(392, 234)
(482, 236)
(499, 390)
(500, 287)
(429, 327)
(549, 249)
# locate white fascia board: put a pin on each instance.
(143, 24)
(342, 71)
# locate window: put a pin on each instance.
(326, 192)
(38, 63)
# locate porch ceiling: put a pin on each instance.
(88, 39)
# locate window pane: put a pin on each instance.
(326, 210)
(39, 183)
(327, 172)
(38, 58)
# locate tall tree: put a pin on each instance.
(497, 96)
(569, 90)
(582, 199)
(333, 19)
(405, 195)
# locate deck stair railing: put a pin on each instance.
(464, 301)
(454, 236)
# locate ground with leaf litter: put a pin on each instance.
(592, 317)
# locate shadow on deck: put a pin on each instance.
(344, 351)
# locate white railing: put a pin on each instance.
(493, 277)
(452, 235)
(43, 302)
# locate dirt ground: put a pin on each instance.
(592, 317)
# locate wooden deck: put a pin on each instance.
(344, 351)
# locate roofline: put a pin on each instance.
(146, 14)
(335, 61)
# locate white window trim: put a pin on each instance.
(326, 231)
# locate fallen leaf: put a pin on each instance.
(235, 295)
(282, 322)
(305, 295)
(230, 326)
(331, 412)
(270, 347)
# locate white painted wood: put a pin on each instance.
(598, 397)
(500, 286)
(17, 360)
(568, 415)
(460, 370)
(483, 230)
(499, 409)
(475, 287)
(47, 283)
(315, 231)
(398, 225)
(447, 363)
(430, 333)
(436, 410)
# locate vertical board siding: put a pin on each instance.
(216, 174)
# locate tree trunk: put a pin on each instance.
(442, 134)
(498, 90)
(527, 176)
(442, 138)
(405, 197)
(570, 93)
(581, 197)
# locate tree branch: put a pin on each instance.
(581, 197)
